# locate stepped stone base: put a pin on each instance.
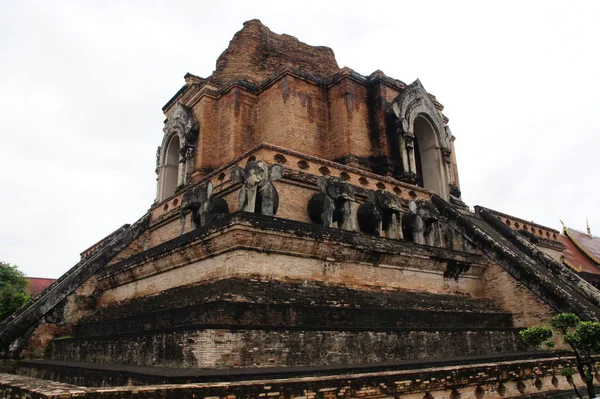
(238, 302)
(235, 323)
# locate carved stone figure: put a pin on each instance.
(412, 224)
(258, 194)
(381, 212)
(421, 224)
(370, 217)
(333, 203)
(203, 206)
(430, 216)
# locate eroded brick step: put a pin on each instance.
(253, 315)
(312, 294)
(226, 348)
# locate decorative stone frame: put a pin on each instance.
(181, 123)
(414, 103)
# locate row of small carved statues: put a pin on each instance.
(382, 213)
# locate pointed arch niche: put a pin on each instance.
(428, 162)
(175, 156)
(425, 145)
(170, 171)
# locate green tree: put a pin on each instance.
(13, 294)
(582, 336)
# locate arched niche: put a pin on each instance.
(170, 171)
(175, 156)
(425, 146)
(428, 162)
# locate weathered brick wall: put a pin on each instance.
(246, 113)
(381, 96)
(222, 348)
(207, 155)
(293, 200)
(416, 274)
(42, 335)
(79, 304)
(135, 247)
(327, 121)
(255, 53)
(339, 123)
(512, 296)
(293, 114)
(167, 231)
(349, 107)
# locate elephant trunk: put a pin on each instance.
(251, 198)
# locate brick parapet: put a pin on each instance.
(517, 224)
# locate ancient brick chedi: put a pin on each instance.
(308, 239)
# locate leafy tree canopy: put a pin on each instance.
(582, 336)
(13, 284)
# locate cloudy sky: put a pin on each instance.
(82, 85)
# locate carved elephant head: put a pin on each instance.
(381, 212)
(337, 189)
(333, 203)
(386, 201)
(412, 224)
(204, 207)
(428, 211)
(258, 194)
(422, 223)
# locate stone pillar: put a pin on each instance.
(454, 179)
(186, 163)
(181, 165)
(447, 165)
(157, 170)
(402, 144)
(409, 139)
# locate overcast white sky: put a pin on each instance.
(82, 85)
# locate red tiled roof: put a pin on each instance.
(587, 244)
(37, 284)
(575, 259)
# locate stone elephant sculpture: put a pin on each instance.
(382, 212)
(204, 207)
(258, 194)
(431, 226)
(332, 204)
(420, 224)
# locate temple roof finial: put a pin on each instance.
(587, 227)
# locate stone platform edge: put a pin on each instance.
(533, 377)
